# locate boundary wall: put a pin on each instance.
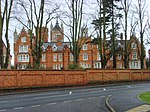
(43, 78)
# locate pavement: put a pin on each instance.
(142, 108)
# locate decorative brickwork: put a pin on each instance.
(57, 54)
(43, 78)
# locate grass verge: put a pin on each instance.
(145, 97)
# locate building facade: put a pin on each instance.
(57, 55)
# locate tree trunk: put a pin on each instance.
(113, 38)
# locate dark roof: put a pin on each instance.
(52, 44)
(56, 27)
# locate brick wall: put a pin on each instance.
(30, 78)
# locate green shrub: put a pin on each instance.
(74, 67)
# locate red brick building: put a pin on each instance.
(56, 53)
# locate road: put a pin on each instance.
(83, 99)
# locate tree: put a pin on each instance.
(1, 31)
(76, 27)
(34, 23)
(115, 26)
(5, 18)
(141, 11)
(126, 5)
(100, 25)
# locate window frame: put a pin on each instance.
(85, 56)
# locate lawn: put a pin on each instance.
(145, 97)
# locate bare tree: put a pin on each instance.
(35, 22)
(75, 26)
(100, 26)
(126, 5)
(141, 11)
(5, 18)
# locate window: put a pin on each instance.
(43, 66)
(119, 56)
(85, 47)
(55, 57)
(54, 48)
(43, 57)
(27, 58)
(60, 57)
(134, 55)
(23, 58)
(97, 47)
(97, 65)
(135, 65)
(57, 34)
(98, 56)
(24, 66)
(71, 57)
(55, 67)
(60, 66)
(20, 48)
(85, 56)
(134, 45)
(23, 48)
(84, 65)
(23, 39)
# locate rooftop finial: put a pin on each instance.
(57, 24)
(57, 20)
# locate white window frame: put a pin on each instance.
(55, 66)
(71, 57)
(85, 47)
(23, 48)
(43, 57)
(98, 56)
(23, 39)
(97, 65)
(44, 66)
(85, 56)
(23, 58)
(59, 57)
(134, 55)
(55, 57)
(135, 65)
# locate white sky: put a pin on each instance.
(14, 24)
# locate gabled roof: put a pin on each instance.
(56, 27)
(52, 44)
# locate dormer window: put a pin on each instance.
(23, 39)
(134, 45)
(54, 48)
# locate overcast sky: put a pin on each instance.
(90, 9)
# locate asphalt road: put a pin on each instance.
(86, 99)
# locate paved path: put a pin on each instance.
(142, 108)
